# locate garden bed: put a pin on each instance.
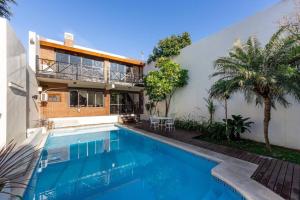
(281, 153)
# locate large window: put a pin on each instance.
(124, 73)
(124, 103)
(84, 68)
(86, 98)
(120, 72)
(62, 57)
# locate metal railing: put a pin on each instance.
(129, 77)
(68, 71)
(124, 109)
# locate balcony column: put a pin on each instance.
(106, 70)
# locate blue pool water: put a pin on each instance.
(121, 164)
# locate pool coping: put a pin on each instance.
(232, 171)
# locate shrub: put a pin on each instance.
(237, 126)
(217, 131)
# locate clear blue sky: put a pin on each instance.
(128, 27)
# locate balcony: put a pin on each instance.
(125, 77)
(67, 71)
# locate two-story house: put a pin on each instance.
(80, 81)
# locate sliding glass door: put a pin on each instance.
(124, 103)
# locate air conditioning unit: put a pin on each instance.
(44, 97)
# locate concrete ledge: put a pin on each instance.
(234, 172)
(82, 121)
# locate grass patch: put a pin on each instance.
(258, 148)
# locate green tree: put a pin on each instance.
(221, 90)
(5, 10)
(170, 46)
(211, 108)
(161, 85)
(267, 74)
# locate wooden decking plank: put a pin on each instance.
(287, 184)
(274, 175)
(257, 160)
(266, 177)
(295, 192)
(247, 156)
(254, 157)
(263, 170)
(280, 179)
(260, 164)
(241, 155)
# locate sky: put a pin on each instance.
(128, 27)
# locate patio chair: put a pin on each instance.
(154, 122)
(169, 125)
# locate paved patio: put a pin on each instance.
(280, 176)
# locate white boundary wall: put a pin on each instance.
(13, 91)
(198, 58)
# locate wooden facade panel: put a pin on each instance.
(47, 53)
(62, 108)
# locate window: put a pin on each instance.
(119, 72)
(62, 57)
(99, 99)
(74, 98)
(87, 61)
(98, 63)
(82, 98)
(124, 103)
(85, 98)
(76, 60)
(54, 98)
(91, 98)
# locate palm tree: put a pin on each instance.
(221, 90)
(211, 108)
(14, 162)
(269, 74)
(5, 8)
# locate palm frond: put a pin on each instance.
(14, 163)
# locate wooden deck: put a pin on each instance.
(280, 176)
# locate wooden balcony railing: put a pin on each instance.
(128, 77)
(68, 71)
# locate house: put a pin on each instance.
(75, 81)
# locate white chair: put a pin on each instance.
(169, 125)
(154, 122)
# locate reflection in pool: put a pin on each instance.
(121, 164)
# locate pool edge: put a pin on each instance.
(234, 172)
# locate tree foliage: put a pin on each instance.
(170, 46)
(267, 74)
(5, 10)
(161, 84)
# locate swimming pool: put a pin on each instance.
(117, 163)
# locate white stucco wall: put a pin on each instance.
(198, 58)
(12, 86)
(32, 83)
